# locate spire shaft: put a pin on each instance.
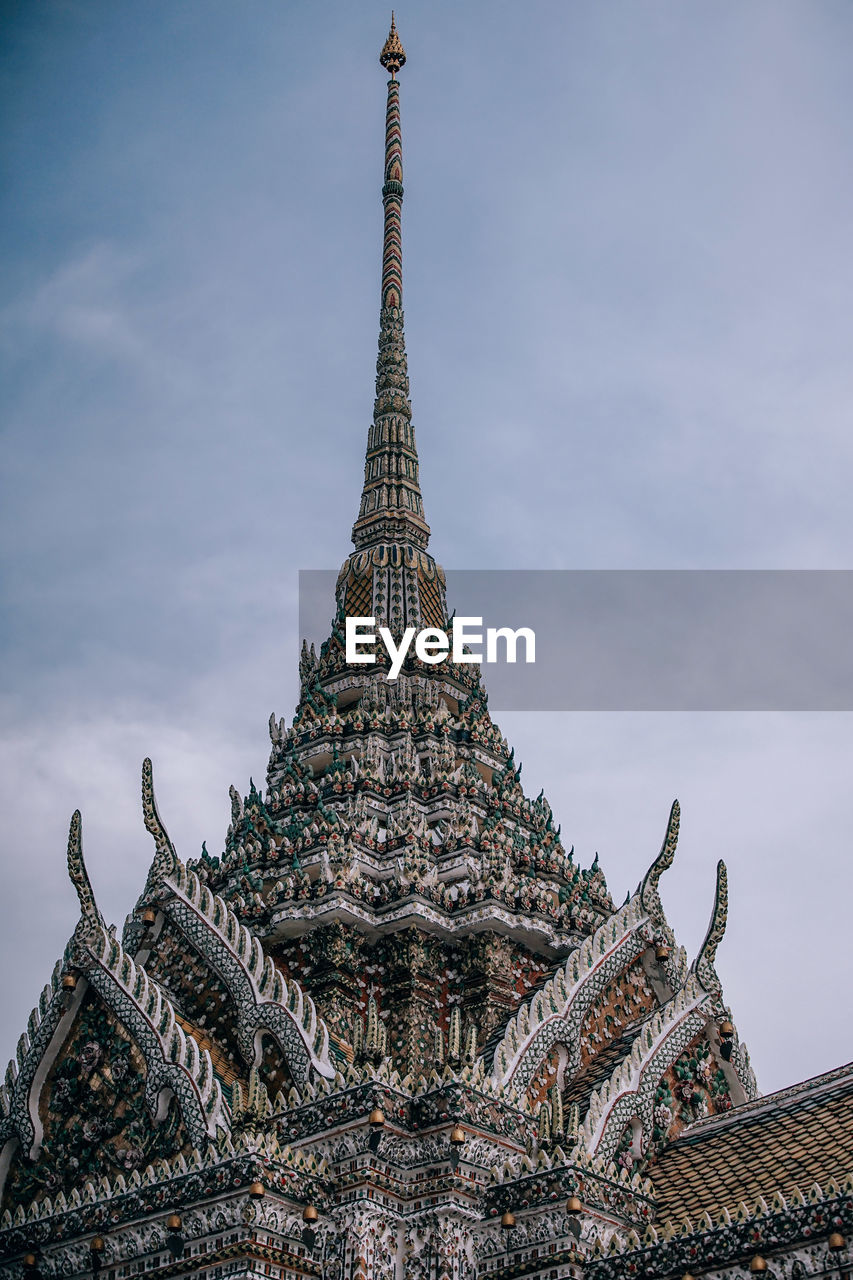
(392, 202)
(391, 507)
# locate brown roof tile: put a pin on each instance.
(789, 1139)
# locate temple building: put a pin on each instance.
(394, 1029)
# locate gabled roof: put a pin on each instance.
(787, 1140)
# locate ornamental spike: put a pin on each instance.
(392, 508)
(165, 861)
(79, 875)
(648, 889)
(703, 965)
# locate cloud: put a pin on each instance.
(80, 303)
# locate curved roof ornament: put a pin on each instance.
(79, 875)
(165, 861)
(703, 965)
(648, 890)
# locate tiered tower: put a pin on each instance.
(395, 863)
(393, 1029)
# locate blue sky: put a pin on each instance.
(628, 269)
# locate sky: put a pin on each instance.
(628, 265)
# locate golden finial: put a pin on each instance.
(393, 55)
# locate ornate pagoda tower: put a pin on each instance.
(393, 1029)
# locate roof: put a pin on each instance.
(227, 1071)
(600, 1068)
(787, 1140)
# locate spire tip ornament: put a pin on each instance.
(393, 55)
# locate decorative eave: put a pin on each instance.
(629, 1092)
(175, 1061)
(96, 960)
(18, 1111)
(179, 1183)
(263, 999)
(719, 1239)
(338, 906)
(554, 1013)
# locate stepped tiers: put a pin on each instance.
(393, 1028)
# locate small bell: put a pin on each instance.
(175, 1242)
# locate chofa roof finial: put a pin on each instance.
(78, 874)
(393, 55)
(165, 858)
(703, 965)
(648, 889)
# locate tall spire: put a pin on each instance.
(392, 508)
